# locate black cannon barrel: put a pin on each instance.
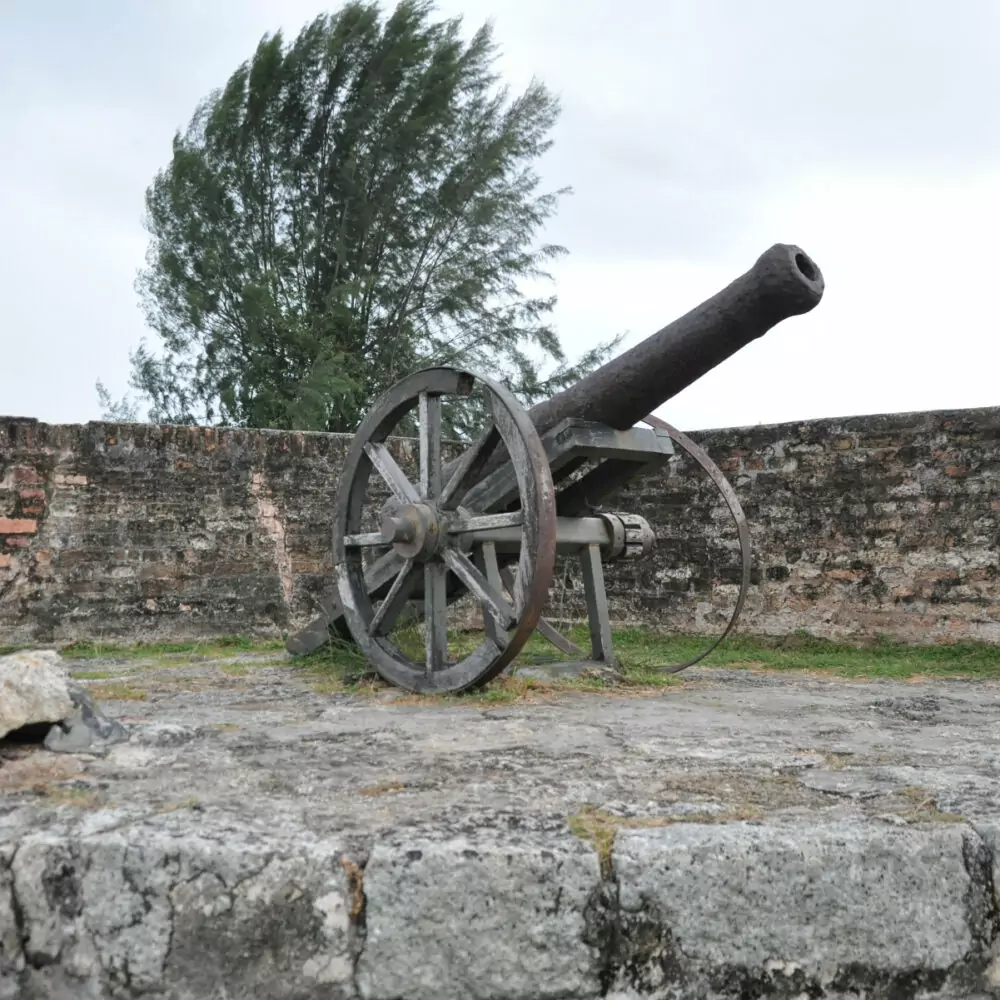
(783, 282)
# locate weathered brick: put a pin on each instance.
(26, 475)
(17, 526)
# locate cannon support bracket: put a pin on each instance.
(610, 536)
(569, 446)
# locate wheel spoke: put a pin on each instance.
(467, 470)
(485, 592)
(382, 570)
(436, 615)
(364, 540)
(402, 489)
(544, 627)
(394, 601)
(430, 445)
(485, 560)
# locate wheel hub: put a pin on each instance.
(414, 531)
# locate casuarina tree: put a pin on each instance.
(352, 205)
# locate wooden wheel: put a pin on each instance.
(438, 546)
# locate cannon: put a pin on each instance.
(489, 523)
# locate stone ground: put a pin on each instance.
(738, 834)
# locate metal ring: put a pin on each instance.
(739, 518)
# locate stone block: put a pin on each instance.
(744, 909)
(33, 689)
(184, 914)
(472, 918)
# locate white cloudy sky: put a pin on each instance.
(695, 134)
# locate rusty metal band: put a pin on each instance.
(739, 519)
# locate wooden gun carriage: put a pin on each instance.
(490, 523)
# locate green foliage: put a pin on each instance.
(123, 411)
(350, 207)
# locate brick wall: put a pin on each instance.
(864, 525)
(144, 531)
(860, 526)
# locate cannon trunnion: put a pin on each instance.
(489, 524)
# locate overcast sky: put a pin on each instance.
(695, 133)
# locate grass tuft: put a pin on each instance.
(356, 883)
(384, 788)
(923, 808)
(601, 828)
(192, 802)
(71, 795)
(117, 692)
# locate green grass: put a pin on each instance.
(202, 649)
(884, 657)
(117, 691)
(340, 666)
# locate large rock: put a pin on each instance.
(34, 688)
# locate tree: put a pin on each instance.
(349, 207)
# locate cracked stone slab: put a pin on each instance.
(220, 828)
(852, 784)
(11, 955)
(184, 911)
(800, 910)
(482, 917)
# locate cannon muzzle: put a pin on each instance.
(783, 282)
